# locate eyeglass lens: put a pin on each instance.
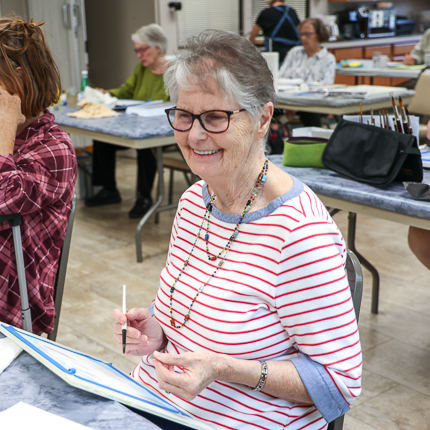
(307, 34)
(215, 121)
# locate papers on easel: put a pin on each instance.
(24, 416)
(90, 374)
(8, 352)
(148, 109)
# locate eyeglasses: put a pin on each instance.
(141, 50)
(307, 34)
(213, 121)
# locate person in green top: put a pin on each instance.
(146, 83)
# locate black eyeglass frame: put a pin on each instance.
(194, 117)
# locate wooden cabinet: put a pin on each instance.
(395, 52)
(346, 54)
(399, 51)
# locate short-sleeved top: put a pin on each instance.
(321, 67)
(268, 20)
(143, 84)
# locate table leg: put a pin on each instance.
(154, 207)
(352, 221)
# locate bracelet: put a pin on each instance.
(263, 377)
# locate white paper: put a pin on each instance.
(26, 417)
(9, 350)
(149, 109)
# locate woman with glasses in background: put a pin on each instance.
(310, 62)
(146, 83)
(253, 325)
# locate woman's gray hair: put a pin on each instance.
(235, 65)
(153, 35)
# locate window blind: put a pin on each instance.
(298, 5)
(199, 15)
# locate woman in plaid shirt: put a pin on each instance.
(37, 171)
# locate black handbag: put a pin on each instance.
(373, 155)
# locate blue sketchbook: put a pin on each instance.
(90, 374)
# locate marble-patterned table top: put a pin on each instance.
(289, 98)
(393, 197)
(31, 382)
(128, 126)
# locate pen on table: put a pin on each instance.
(124, 310)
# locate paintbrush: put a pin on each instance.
(372, 119)
(361, 113)
(386, 119)
(398, 123)
(405, 118)
(380, 119)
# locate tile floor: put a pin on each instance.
(396, 342)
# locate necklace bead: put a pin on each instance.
(223, 254)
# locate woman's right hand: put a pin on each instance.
(11, 117)
(144, 334)
(409, 60)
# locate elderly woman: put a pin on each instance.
(146, 83)
(253, 325)
(310, 62)
(37, 171)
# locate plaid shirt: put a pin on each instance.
(37, 181)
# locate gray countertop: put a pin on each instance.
(31, 382)
(376, 41)
(393, 197)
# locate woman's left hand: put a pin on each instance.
(200, 369)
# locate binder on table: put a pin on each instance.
(93, 375)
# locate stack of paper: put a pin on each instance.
(24, 416)
(155, 108)
(8, 352)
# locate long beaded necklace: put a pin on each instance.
(223, 254)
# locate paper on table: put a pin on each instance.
(8, 352)
(147, 109)
(24, 416)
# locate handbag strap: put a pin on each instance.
(411, 150)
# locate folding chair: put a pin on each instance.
(15, 222)
(355, 279)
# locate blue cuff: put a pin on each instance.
(321, 388)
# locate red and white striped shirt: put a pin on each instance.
(281, 294)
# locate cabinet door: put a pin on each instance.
(399, 51)
(346, 54)
(383, 49)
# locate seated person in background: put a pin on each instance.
(310, 62)
(279, 23)
(146, 83)
(37, 171)
(418, 238)
(417, 54)
(254, 305)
